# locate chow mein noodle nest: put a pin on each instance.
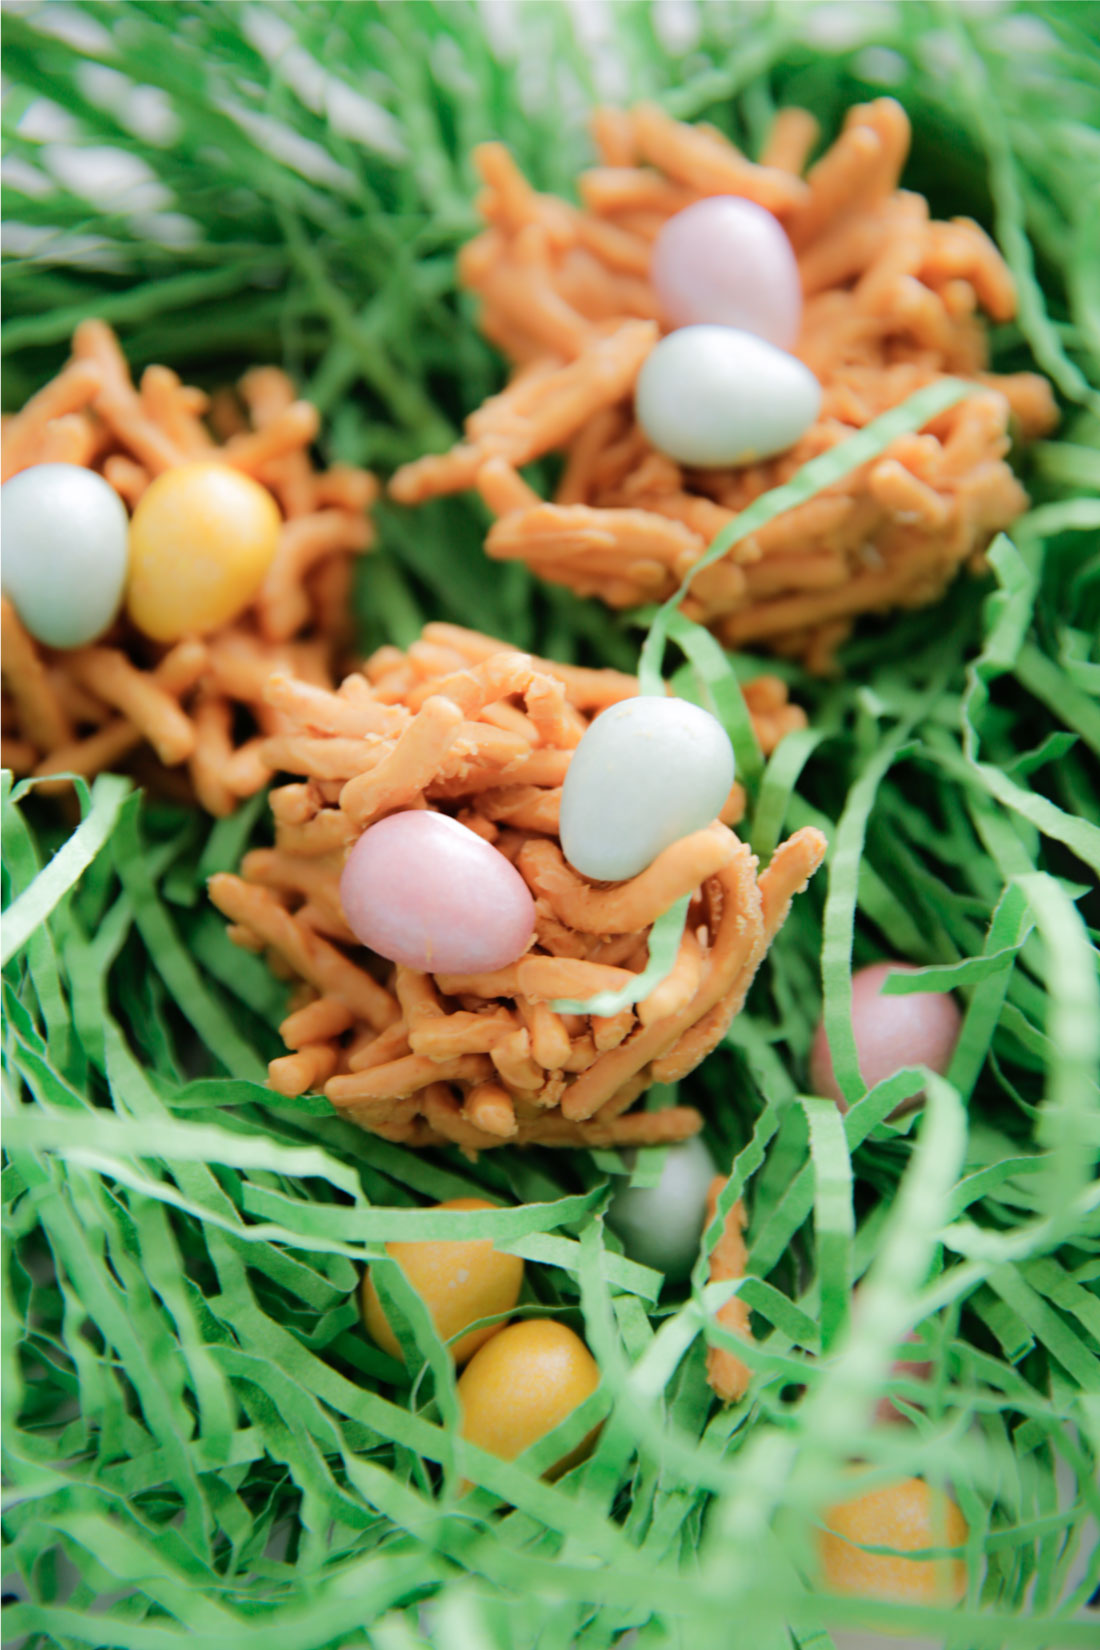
(891, 304)
(465, 725)
(197, 705)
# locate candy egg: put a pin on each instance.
(202, 538)
(522, 1384)
(65, 552)
(661, 1225)
(907, 1516)
(711, 396)
(421, 889)
(460, 1281)
(728, 261)
(891, 1033)
(913, 1369)
(647, 772)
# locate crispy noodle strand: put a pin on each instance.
(726, 1373)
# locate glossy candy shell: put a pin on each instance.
(921, 1028)
(459, 1280)
(647, 772)
(201, 541)
(728, 261)
(661, 1225)
(65, 552)
(908, 1517)
(421, 889)
(522, 1384)
(712, 397)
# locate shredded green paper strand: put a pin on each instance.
(201, 1444)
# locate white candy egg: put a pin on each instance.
(66, 553)
(647, 772)
(714, 396)
(661, 1225)
(728, 261)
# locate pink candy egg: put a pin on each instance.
(727, 261)
(913, 1369)
(916, 1369)
(421, 889)
(891, 1032)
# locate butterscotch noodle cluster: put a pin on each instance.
(891, 304)
(466, 725)
(197, 705)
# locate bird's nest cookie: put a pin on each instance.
(464, 724)
(892, 302)
(196, 706)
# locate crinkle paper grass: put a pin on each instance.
(202, 1446)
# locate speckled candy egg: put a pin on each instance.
(65, 534)
(891, 1033)
(421, 889)
(522, 1384)
(459, 1280)
(907, 1517)
(647, 772)
(728, 261)
(661, 1225)
(712, 396)
(202, 538)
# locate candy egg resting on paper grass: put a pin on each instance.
(185, 693)
(459, 1282)
(468, 726)
(891, 305)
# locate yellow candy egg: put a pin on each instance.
(522, 1384)
(201, 540)
(460, 1281)
(907, 1517)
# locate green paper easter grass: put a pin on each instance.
(193, 1415)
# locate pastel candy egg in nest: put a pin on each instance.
(918, 1028)
(712, 396)
(522, 1384)
(908, 1517)
(201, 541)
(728, 261)
(66, 554)
(460, 1281)
(661, 1225)
(647, 772)
(421, 889)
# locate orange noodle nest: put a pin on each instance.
(85, 709)
(468, 726)
(891, 302)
